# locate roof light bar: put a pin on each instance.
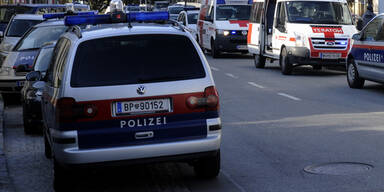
(108, 19)
(62, 15)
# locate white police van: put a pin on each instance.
(98, 109)
(366, 59)
(300, 32)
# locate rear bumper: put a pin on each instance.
(66, 150)
(301, 56)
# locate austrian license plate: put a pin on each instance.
(242, 47)
(20, 83)
(143, 106)
(330, 55)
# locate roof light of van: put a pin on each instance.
(62, 15)
(220, 2)
(106, 19)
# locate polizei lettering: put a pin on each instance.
(153, 121)
(373, 57)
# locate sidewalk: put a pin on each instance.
(5, 181)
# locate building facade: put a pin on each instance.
(358, 7)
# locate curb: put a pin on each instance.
(5, 180)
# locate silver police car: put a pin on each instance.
(133, 92)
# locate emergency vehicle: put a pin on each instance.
(366, 59)
(99, 111)
(300, 32)
(223, 25)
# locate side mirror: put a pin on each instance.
(356, 37)
(33, 76)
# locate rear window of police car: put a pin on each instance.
(135, 59)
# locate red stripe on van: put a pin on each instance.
(240, 23)
(249, 33)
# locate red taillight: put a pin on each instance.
(68, 110)
(210, 100)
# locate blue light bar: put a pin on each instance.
(84, 19)
(250, 2)
(233, 32)
(148, 16)
(62, 15)
(220, 2)
(107, 19)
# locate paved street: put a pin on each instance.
(274, 126)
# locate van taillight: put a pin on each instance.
(210, 100)
(68, 110)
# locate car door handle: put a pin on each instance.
(144, 135)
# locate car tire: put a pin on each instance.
(286, 66)
(29, 128)
(47, 148)
(259, 61)
(353, 78)
(214, 51)
(317, 67)
(208, 167)
(61, 178)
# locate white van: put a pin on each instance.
(223, 25)
(300, 32)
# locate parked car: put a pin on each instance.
(366, 58)
(154, 109)
(20, 60)
(18, 25)
(31, 92)
(7, 11)
(188, 18)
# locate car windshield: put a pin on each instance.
(192, 18)
(38, 36)
(318, 12)
(135, 59)
(43, 59)
(18, 27)
(233, 12)
(175, 10)
(7, 12)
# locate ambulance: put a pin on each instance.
(300, 32)
(223, 25)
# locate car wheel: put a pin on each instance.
(208, 167)
(317, 67)
(29, 128)
(61, 178)
(215, 52)
(259, 61)
(354, 81)
(286, 66)
(47, 148)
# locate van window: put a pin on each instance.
(233, 12)
(59, 61)
(318, 12)
(256, 12)
(281, 16)
(192, 18)
(6, 12)
(135, 59)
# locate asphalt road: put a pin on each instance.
(274, 126)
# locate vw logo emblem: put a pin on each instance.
(141, 90)
(330, 43)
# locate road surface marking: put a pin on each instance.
(256, 85)
(231, 75)
(289, 96)
(214, 69)
(233, 181)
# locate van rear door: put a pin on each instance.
(255, 27)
